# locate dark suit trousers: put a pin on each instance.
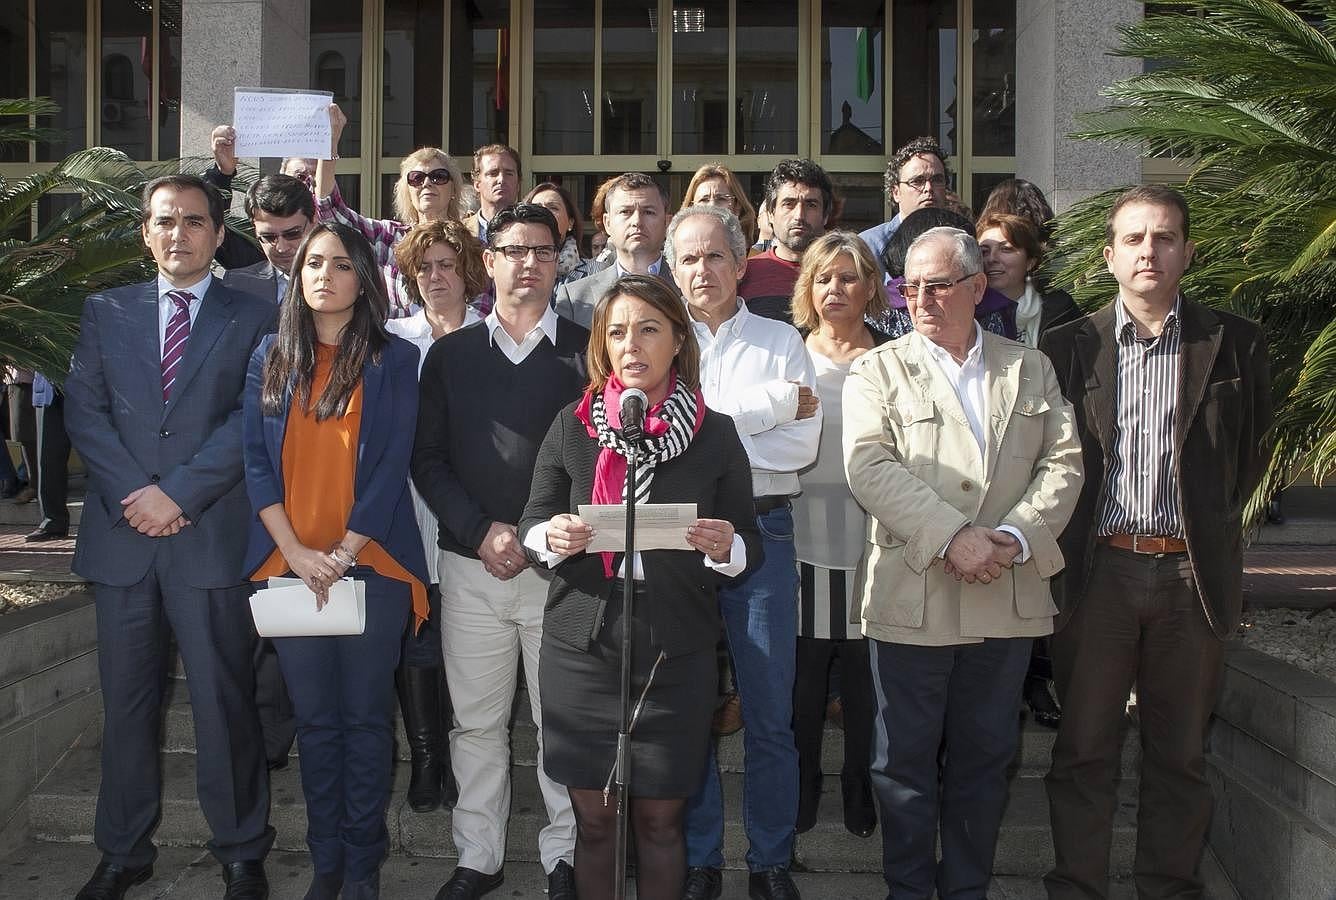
(810, 696)
(215, 636)
(961, 700)
(277, 720)
(53, 452)
(1140, 623)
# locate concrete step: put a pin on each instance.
(1036, 746)
(30, 513)
(62, 809)
(1310, 518)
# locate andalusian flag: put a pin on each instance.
(866, 73)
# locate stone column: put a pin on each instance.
(1062, 63)
(237, 43)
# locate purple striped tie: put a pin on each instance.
(174, 344)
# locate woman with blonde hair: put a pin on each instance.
(839, 284)
(716, 185)
(428, 190)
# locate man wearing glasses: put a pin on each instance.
(489, 392)
(961, 448)
(282, 211)
(915, 178)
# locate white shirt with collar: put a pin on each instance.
(750, 369)
(417, 330)
(654, 267)
(518, 352)
(167, 307)
(967, 380)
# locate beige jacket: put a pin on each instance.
(914, 465)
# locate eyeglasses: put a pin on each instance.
(417, 178)
(919, 182)
(295, 233)
(717, 199)
(520, 252)
(934, 289)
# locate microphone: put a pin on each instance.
(632, 413)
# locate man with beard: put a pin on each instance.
(799, 198)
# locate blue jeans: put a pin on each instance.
(761, 622)
(343, 693)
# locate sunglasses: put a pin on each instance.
(417, 178)
(295, 233)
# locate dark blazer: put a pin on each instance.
(683, 612)
(259, 280)
(382, 506)
(1056, 308)
(190, 446)
(575, 300)
(236, 252)
(1224, 409)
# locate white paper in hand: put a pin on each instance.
(282, 122)
(287, 609)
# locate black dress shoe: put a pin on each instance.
(40, 535)
(245, 880)
(860, 812)
(324, 887)
(703, 883)
(110, 881)
(1044, 708)
(561, 882)
(466, 884)
(773, 884)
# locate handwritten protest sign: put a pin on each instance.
(281, 122)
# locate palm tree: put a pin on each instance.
(1247, 90)
(93, 242)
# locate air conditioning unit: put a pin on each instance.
(113, 113)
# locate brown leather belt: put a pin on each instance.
(1145, 543)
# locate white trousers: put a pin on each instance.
(487, 626)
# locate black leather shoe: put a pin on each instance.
(773, 884)
(703, 883)
(110, 881)
(366, 889)
(1044, 708)
(860, 811)
(245, 880)
(561, 882)
(466, 884)
(41, 536)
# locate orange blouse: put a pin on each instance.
(319, 471)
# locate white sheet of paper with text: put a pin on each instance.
(281, 122)
(659, 526)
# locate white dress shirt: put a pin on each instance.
(750, 369)
(167, 307)
(967, 380)
(518, 352)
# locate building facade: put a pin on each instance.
(587, 88)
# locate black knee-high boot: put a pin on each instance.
(449, 787)
(419, 699)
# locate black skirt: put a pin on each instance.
(581, 703)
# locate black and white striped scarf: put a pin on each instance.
(679, 411)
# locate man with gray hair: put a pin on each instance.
(961, 448)
(757, 371)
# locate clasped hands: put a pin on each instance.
(318, 570)
(151, 512)
(980, 554)
(569, 534)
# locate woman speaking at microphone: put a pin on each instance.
(641, 338)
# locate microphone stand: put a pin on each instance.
(623, 765)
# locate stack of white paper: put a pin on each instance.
(286, 608)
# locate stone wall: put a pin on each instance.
(1273, 770)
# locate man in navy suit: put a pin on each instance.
(153, 405)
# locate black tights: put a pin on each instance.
(661, 852)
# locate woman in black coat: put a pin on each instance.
(641, 338)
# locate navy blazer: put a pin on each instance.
(190, 446)
(382, 506)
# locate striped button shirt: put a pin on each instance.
(1141, 482)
